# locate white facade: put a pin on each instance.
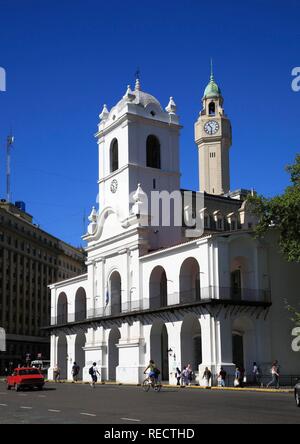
(151, 293)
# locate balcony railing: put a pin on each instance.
(209, 294)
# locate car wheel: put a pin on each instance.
(8, 387)
(297, 397)
(40, 387)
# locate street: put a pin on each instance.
(80, 404)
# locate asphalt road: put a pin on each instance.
(80, 404)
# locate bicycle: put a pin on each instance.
(149, 383)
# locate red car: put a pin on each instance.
(25, 377)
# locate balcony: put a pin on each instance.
(209, 295)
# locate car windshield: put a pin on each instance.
(29, 372)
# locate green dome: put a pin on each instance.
(212, 89)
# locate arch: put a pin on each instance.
(153, 152)
(114, 156)
(159, 348)
(191, 342)
(62, 356)
(189, 281)
(115, 289)
(158, 288)
(80, 305)
(244, 349)
(80, 342)
(212, 109)
(113, 352)
(62, 309)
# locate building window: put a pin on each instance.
(153, 152)
(114, 156)
(212, 109)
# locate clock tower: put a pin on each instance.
(213, 138)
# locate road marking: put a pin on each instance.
(41, 396)
(54, 411)
(88, 414)
(26, 408)
(3, 405)
(130, 419)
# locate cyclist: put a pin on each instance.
(153, 372)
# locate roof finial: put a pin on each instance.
(137, 80)
(212, 78)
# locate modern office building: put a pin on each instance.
(30, 260)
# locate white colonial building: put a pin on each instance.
(211, 295)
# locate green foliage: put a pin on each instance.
(295, 314)
(283, 213)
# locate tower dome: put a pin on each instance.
(212, 89)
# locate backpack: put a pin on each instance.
(91, 371)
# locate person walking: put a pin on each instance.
(184, 377)
(178, 375)
(275, 375)
(256, 374)
(75, 372)
(222, 378)
(94, 372)
(237, 377)
(56, 373)
(207, 377)
(190, 374)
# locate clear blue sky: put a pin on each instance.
(65, 58)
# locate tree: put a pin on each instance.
(283, 213)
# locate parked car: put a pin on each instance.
(297, 394)
(25, 377)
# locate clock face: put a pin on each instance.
(114, 186)
(211, 127)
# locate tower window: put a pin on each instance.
(153, 152)
(114, 156)
(154, 184)
(212, 109)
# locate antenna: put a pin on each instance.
(9, 145)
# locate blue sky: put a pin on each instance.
(65, 58)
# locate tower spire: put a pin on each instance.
(212, 77)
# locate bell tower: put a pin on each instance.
(213, 137)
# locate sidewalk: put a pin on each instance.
(192, 387)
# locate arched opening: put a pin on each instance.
(113, 353)
(80, 353)
(153, 152)
(159, 348)
(244, 349)
(189, 281)
(62, 356)
(62, 309)
(212, 109)
(191, 342)
(238, 349)
(114, 156)
(80, 305)
(115, 293)
(158, 288)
